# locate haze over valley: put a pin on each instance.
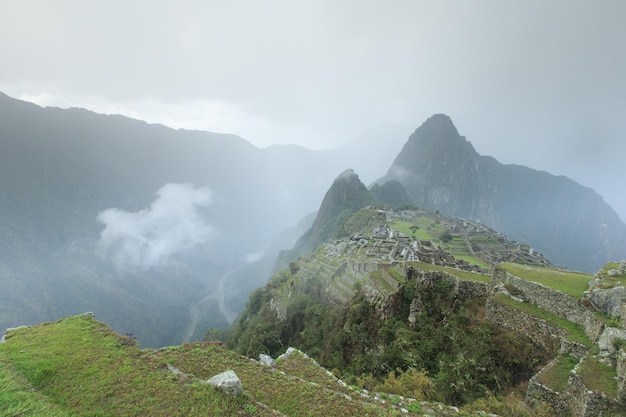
(119, 196)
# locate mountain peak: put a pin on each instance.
(439, 129)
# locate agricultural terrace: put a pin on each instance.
(568, 282)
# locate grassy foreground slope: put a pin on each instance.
(79, 367)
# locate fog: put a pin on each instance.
(534, 83)
(173, 225)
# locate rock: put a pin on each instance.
(289, 351)
(609, 300)
(606, 342)
(228, 382)
(613, 272)
(266, 360)
(6, 332)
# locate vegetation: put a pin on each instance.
(448, 354)
(18, 398)
(611, 281)
(80, 367)
(598, 376)
(556, 376)
(575, 332)
(509, 405)
(572, 283)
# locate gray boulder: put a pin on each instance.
(266, 360)
(228, 382)
(609, 301)
(606, 342)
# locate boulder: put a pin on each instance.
(266, 360)
(606, 342)
(228, 382)
(609, 301)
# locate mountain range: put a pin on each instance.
(164, 232)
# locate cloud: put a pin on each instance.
(171, 226)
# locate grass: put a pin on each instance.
(425, 231)
(82, 366)
(377, 276)
(598, 376)
(572, 283)
(575, 332)
(611, 281)
(79, 367)
(556, 376)
(18, 398)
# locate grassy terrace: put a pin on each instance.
(598, 376)
(556, 377)
(572, 283)
(575, 332)
(463, 275)
(80, 367)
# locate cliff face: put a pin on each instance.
(571, 224)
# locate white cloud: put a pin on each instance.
(172, 225)
(254, 257)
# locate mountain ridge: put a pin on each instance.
(572, 224)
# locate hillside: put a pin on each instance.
(78, 366)
(372, 309)
(571, 224)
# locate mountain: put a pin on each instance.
(346, 195)
(384, 309)
(571, 224)
(141, 223)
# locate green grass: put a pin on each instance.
(17, 397)
(575, 332)
(425, 231)
(556, 377)
(609, 280)
(598, 376)
(572, 283)
(377, 276)
(80, 367)
(463, 275)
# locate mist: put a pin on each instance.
(173, 224)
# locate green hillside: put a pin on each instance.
(79, 367)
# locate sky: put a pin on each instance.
(537, 82)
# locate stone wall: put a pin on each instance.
(539, 393)
(553, 301)
(463, 289)
(582, 401)
(538, 330)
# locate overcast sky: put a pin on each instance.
(538, 83)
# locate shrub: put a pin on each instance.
(412, 383)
